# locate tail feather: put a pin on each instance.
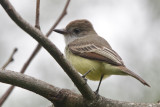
(124, 69)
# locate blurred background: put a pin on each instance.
(132, 27)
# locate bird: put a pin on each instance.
(91, 55)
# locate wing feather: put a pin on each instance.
(94, 52)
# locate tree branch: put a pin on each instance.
(51, 48)
(62, 97)
(38, 47)
(37, 86)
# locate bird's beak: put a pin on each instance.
(61, 31)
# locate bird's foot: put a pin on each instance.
(96, 92)
(85, 79)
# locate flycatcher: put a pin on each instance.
(90, 54)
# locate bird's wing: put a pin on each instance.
(94, 52)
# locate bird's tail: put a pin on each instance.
(124, 69)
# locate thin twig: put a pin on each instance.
(36, 50)
(11, 59)
(64, 12)
(5, 96)
(37, 25)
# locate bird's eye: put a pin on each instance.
(76, 31)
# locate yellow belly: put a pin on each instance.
(97, 68)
